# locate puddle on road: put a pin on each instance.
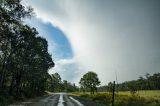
(60, 102)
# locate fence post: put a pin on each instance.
(113, 90)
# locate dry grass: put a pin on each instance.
(125, 98)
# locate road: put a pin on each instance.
(57, 99)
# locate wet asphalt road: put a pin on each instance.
(57, 99)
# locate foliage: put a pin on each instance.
(24, 57)
(89, 81)
(69, 87)
(150, 82)
(55, 84)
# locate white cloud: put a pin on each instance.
(68, 69)
(107, 36)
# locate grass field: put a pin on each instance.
(125, 98)
(144, 93)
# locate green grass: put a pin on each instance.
(125, 98)
(151, 93)
(148, 94)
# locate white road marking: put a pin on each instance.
(80, 104)
(60, 102)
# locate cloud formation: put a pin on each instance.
(69, 70)
(108, 36)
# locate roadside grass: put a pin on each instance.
(150, 94)
(125, 98)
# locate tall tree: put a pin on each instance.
(11, 12)
(90, 81)
(24, 57)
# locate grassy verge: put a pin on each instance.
(141, 98)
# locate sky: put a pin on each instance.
(109, 37)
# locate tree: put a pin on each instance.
(69, 87)
(149, 82)
(24, 57)
(11, 13)
(55, 82)
(90, 81)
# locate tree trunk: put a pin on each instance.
(18, 82)
(11, 86)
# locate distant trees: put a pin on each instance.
(149, 82)
(69, 87)
(55, 84)
(89, 81)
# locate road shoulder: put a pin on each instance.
(86, 102)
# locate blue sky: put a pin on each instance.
(59, 45)
(101, 36)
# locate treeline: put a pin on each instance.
(149, 82)
(55, 84)
(24, 57)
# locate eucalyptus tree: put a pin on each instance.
(11, 14)
(90, 81)
(55, 82)
(24, 57)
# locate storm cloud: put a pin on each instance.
(121, 36)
